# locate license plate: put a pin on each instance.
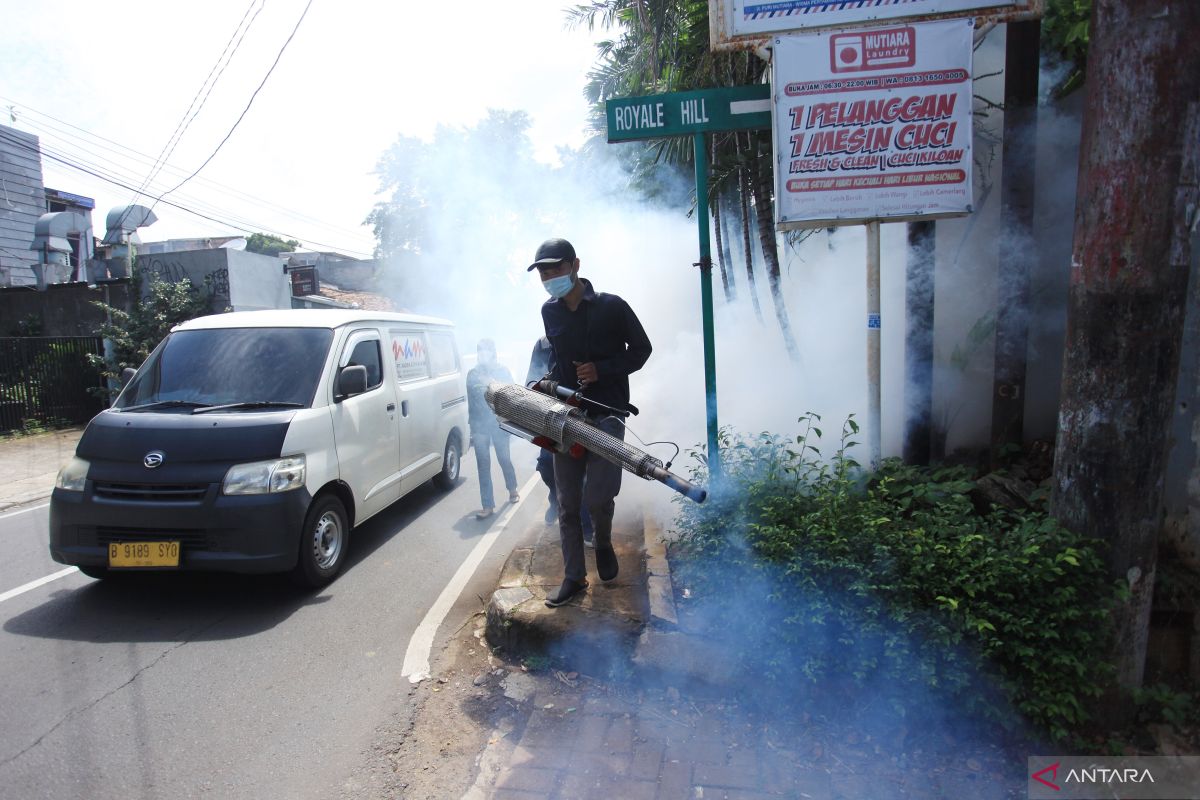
(143, 554)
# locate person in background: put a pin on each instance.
(485, 428)
(597, 342)
(541, 363)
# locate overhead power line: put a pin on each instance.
(218, 69)
(245, 228)
(242, 116)
(89, 139)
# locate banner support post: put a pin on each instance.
(874, 324)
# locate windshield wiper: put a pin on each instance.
(164, 404)
(250, 404)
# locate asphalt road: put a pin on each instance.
(186, 685)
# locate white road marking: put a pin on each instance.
(416, 658)
(24, 510)
(62, 573)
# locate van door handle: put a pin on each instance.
(404, 408)
(391, 407)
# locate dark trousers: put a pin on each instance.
(545, 468)
(589, 483)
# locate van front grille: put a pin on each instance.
(194, 539)
(150, 492)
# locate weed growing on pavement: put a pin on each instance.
(893, 583)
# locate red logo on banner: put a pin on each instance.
(875, 49)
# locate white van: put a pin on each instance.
(255, 441)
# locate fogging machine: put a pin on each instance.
(551, 420)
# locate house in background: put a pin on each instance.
(22, 201)
(24, 204)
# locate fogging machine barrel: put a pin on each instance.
(542, 415)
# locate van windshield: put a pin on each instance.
(222, 366)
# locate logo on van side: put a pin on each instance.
(153, 459)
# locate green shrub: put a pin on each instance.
(893, 579)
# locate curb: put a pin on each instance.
(659, 588)
(598, 630)
(667, 653)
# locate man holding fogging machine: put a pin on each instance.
(597, 342)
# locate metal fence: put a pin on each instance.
(47, 380)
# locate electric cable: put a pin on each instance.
(48, 130)
(625, 425)
(185, 121)
(242, 116)
(194, 203)
(124, 185)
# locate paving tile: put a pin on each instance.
(724, 776)
(619, 737)
(514, 794)
(675, 780)
(528, 779)
(647, 761)
(592, 731)
(627, 789)
(602, 764)
(540, 757)
(576, 785)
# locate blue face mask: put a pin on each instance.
(560, 286)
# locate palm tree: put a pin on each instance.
(663, 46)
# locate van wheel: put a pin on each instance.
(451, 466)
(324, 542)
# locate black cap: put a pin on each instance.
(552, 251)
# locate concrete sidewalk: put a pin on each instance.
(615, 695)
(29, 465)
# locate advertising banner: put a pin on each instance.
(778, 16)
(872, 124)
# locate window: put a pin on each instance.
(232, 365)
(443, 355)
(366, 354)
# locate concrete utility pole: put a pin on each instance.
(1136, 201)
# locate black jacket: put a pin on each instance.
(603, 330)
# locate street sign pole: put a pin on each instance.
(706, 302)
(694, 113)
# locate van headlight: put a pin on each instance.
(261, 477)
(73, 475)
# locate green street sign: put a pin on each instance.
(727, 108)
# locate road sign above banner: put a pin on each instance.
(727, 108)
(873, 124)
(752, 23)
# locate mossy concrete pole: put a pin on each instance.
(873, 355)
(706, 302)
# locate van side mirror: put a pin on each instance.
(127, 375)
(351, 380)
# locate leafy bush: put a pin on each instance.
(894, 580)
(135, 333)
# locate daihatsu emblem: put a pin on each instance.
(153, 459)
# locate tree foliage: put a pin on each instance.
(663, 46)
(134, 333)
(269, 244)
(1065, 35)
